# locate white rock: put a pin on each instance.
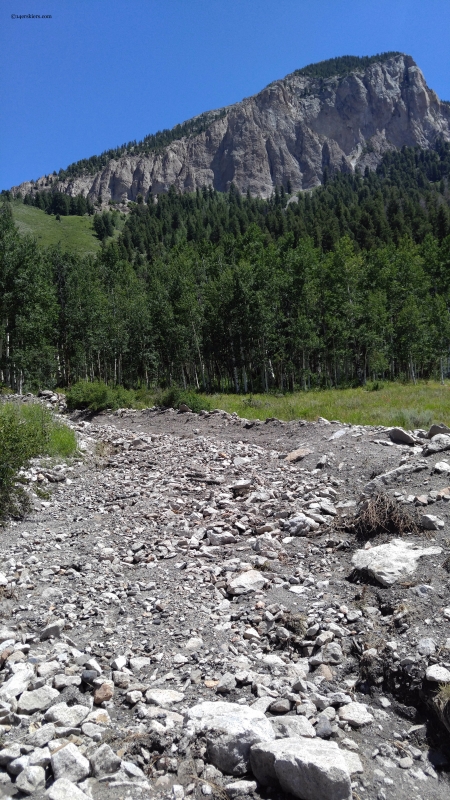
(104, 761)
(391, 562)
(67, 716)
(64, 789)
(17, 684)
(37, 700)
(138, 663)
(239, 788)
(356, 714)
(290, 727)
(245, 582)
(163, 697)
(31, 779)
(69, 763)
(442, 466)
(230, 730)
(194, 643)
(310, 769)
(119, 663)
(438, 674)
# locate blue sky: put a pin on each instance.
(101, 72)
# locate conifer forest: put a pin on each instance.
(338, 285)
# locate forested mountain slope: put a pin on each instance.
(328, 117)
(350, 282)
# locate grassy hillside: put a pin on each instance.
(73, 233)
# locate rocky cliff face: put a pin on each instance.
(291, 131)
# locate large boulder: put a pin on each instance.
(311, 769)
(230, 731)
(391, 562)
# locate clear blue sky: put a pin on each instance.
(102, 72)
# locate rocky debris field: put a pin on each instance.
(204, 606)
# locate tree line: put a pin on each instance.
(335, 287)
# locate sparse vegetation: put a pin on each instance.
(380, 515)
(27, 431)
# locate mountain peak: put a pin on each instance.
(335, 115)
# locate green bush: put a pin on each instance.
(97, 396)
(174, 397)
(27, 431)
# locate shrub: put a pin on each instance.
(27, 431)
(174, 397)
(97, 396)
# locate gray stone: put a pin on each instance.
(426, 646)
(54, 630)
(289, 727)
(230, 731)
(226, 684)
(332, 653)
(438, 444)
(31, 780)
(391, 562)
(42, 736)
(355, 714)
(18, 765)
(37, 700)
(40, 757)
(400, 436)
(67, 716)
(104, 761)
(436, 429)
(239, 788)
(69, 763)
(431, 522)
(138, 663)
(163, 697)
(9, 754)
(7, 635)
(119, 663)
(280, 706)
(310, 769)
(324, 728)
(64, 789)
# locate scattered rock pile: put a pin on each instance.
(191, 613)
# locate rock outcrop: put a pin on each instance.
(288, 134)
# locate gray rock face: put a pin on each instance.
(291, 131)
(306, 768)
(230, 731)
(389, 563)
